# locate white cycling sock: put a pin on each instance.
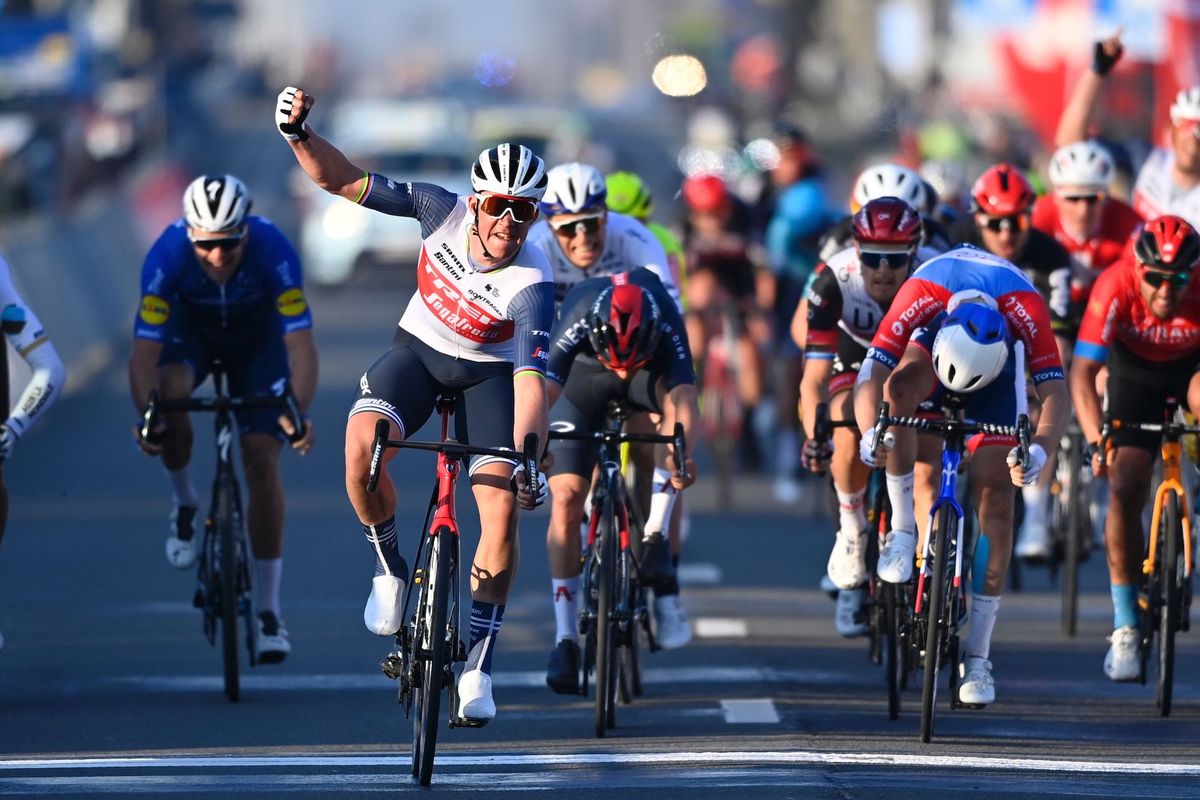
(565, 607)
(984, 610)
(182, 486)
(852, 517)
(1036, 499)
(661, 502)
(900, 493)
(268, 575)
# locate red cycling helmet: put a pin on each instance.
(1168, 243)
(623, 326)
(1002, 191)
(706, 194)
(887, 221)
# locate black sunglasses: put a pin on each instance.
(890, 260)
(224, 242)
(1177, 280)
(571, 228)
(1090, 199)
(1016, 222)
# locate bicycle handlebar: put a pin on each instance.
(286, 402)
(823, 426)
(677, 440)
(452, 449)
(945, 425)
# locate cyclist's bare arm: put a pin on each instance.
(1073, 124)
(302, 357)
(799, 326)
(1056, 413)
(1083, 393)
(143, 371)
(327, 166)
(529, 407)
(814, 389)
(868, 392)
(679, 405)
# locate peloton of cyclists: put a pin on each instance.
(1143, 323)
(477, 327)
(973, 311)
(850, 295)
(222, 283)
(617, 337)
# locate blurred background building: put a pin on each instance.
(108, 107)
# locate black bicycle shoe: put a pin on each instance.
(656, 559)
(562, 673)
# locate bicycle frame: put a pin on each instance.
(1171, 450)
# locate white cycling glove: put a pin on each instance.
(292, 131)
(866, 448)
(518, 485)
(1037, 460)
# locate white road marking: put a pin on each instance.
(692, 758)
(720, 628)
(698, 574)
(749, 712)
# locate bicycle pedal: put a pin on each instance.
(971, 706)
(467, 722)
(392, 665)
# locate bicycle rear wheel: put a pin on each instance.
(606, 634)
(938, 616)
(1078, 526)
(227, 539)
(435, 600)
(1170, 568)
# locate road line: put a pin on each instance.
(693, 758)
(749, 712)
(698, 574)
(720, 628)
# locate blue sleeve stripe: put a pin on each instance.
(1096, 352)
(819, 355)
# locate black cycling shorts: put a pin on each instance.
(406, 380)
(583, 405)
(1138, 390)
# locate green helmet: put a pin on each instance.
(627, 194)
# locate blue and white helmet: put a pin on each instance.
(971, 348)
(574, 188)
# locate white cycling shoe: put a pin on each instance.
(383, 613)
(896, 557)
(1123, 661)
(847, 618)
(181, 553)
(1033, 540)
(672, 628)
(846, 567)
(475, 701)
(977, 689)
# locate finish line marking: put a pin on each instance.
(800, 757)
(720, 628)
(751, 712)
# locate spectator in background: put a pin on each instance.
(801, 214)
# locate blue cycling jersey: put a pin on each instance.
(265, 296)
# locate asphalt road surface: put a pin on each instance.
(108, 687)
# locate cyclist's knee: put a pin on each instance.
(1129, 476)
(907, 387)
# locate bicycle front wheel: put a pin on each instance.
(227, 539)
(938, 617)
(606, 635)
(1171, 571)
(431, 631)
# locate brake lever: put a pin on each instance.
(382, 428)
(150, 419)
(1023, 441)
(295, 416)
(680, 454)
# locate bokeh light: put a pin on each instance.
(679, 76)
(494, 68)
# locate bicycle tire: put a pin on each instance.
(606, 645)
(892, 661)
(1168, 622)
(1078, 523)
(433, 677)
(938, 620)
(228, 587)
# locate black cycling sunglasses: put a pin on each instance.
(224, 242)
(1016, 222)
(497, 206)
(1090, 199)
(571, 227)
(890, 260)
(1177, 280)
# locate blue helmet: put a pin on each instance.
(971, 348)
(574, 188)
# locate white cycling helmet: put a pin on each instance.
(511, 170)
(889, 180)
(971, 348)
(1186, 105)
(573, 189)
(216, 203)
(948, 178)
(1086, 165)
